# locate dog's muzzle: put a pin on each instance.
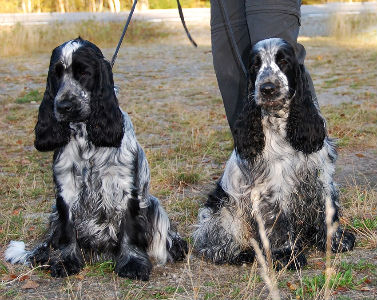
(71, 103)
(270, 94)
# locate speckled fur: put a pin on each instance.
(103, 206)
(272, 172)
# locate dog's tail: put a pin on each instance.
(161, 226)
(167, 243)
(17, 254)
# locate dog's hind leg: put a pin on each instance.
(216, 243)
(177, 247)
(220, 236)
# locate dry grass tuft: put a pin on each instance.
(20, 39)
(347, 26)
(354, 125)
(360, 213)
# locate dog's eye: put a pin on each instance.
(59, 70)
(84, 73)
(282, 62)
(257, 63)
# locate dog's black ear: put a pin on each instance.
(49, 133)
(306, 130)
(105, 125)
(248, 133)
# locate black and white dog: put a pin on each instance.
(103, 206)
(282, 169)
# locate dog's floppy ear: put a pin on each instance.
(305, 127)
(49, 133)
(105, 124)
(248, 131)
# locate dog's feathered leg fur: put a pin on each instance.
(286, 248)
(132, 260)
(67, 259)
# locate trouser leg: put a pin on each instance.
(230, 77)
(273, 18)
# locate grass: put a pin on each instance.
(74, 6)
(21, 40)
(360, 213)
(312, 286)
(100, 269)
(354, 125)
(31, 96)
(345, 276)
(179, 119)
(328, 84)
(368, 223)
(359, 266)
(348, 26)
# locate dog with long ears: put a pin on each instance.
(103, 207)
(281, 170)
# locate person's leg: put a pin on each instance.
(273, 18)
(231, 78)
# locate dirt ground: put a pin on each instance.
(167, 86)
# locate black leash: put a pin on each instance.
(123, 33)
(184, 24)
(128, 23)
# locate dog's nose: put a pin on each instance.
(64, 106)
(268, 89)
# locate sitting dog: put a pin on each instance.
(281, 169)
(103, 206)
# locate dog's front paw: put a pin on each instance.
(178, 249)
(64, 268)
(342, 241)
(134, 268)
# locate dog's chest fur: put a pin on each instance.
(280, 180)
(94, 188)
(288, 174)
(281, 176)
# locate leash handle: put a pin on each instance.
(184, 24)
(123, 33)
